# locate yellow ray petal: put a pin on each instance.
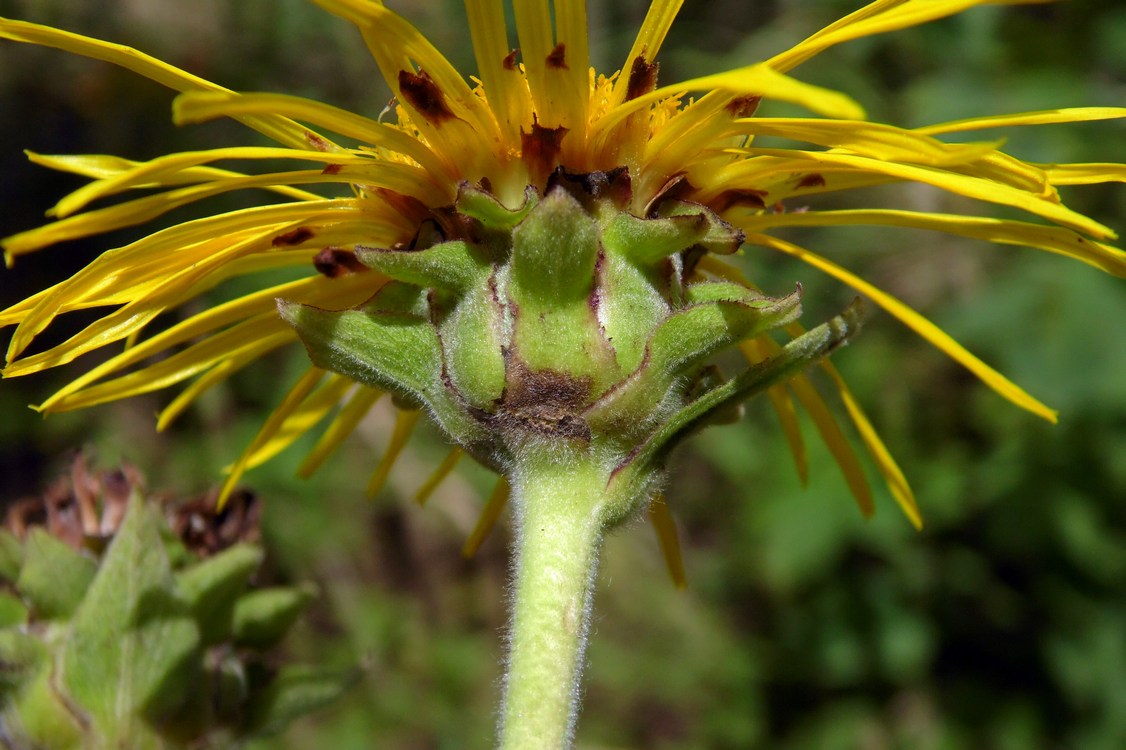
(807, 48)
(252, 339)
(217, 374)
(791, 429)
(101, 166)
(168, 292)
(559, 94)
(885, 463)
(397, 46)
(332, 294)
(439, 475)
(879, 18)
(683, 131)
(121, 275)
(915, 322)
(783, 405)
(756, 80)
(180, 235)
(692, 131)
(292, 401)
(665, 527)
(785, 179)
(571, 30)
(279, 129)
(494, 506)
(404, 426)
(835, 440)
(1042, 117)
(102, 295)
(1052, 239)
(39, 317)
(1008, 170)
(173, 168)
(396, 37)
(155, 280)
(271, 261)
(204, 106)
(300, 420)
(19, 310)
(95, 166)
(654, 29)
(345, 423)
(828, 429)
(971, 187)
(755, 350)
(506, 92)
(874, 140)
(781, 171)
(533, 29)
(1084, 174)
(400, 178)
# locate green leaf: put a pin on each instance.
(472, 337)
(295, 692)
(697, 332)
(54, 577)
(630, 307)
(648, 241)
(179, 556)
(263, 617)
(399, 298)
(719, 237)
(450, 266)
(38, 719)
(726, 291)
(794, 357)
(720, 317)
(493, 215)
(11, 556)
(132, 647)
(211, 588)
(553, 254)
(21, 656)
(12, 612)
(391, 351)
(722, 314)
(231, 688)
(681, 226)
(551, 286)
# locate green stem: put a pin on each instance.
(558, 518)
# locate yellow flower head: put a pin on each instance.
(534, 114)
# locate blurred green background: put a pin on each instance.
(1001, 625)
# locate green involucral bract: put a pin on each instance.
(566, 325)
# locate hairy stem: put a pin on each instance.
(558, 511)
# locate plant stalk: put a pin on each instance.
(558, 520)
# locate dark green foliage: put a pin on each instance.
(121, 650)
